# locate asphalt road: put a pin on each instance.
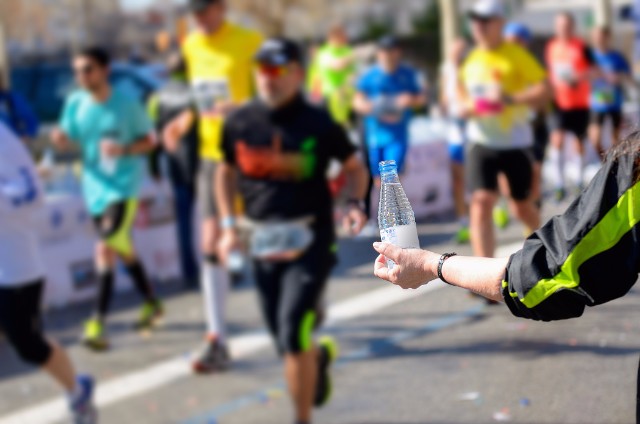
(436, 355)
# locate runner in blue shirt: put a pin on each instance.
(607, 91)
(386, 96)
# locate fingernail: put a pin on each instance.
(376, 244)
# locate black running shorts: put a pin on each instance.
(483, 164)
(575, 121)
(21, 321)
(290, 295)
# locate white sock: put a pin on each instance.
(215, 285)
(556, 160)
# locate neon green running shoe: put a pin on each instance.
(501, 217)
(94, 335)
(150, 314)
(327, 355)
(463, 235)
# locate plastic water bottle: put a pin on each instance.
(396, 219)
(108, 164)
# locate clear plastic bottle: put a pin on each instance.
(395, 216)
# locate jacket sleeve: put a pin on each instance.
(588, 256)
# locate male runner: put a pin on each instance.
(501, 82)
(335, 69)
(386, 96)
(277, 150)
(607, 90)
(219, 58)
(112, 131)
(22, 277)
(570, 63)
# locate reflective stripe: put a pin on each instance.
(306, 331)
(605, 235)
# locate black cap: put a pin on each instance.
(279, 51)
(200, 5)
(388, 42)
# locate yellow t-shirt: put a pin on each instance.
(509, 69)
(219, 67)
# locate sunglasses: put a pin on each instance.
(483, 20)
(83, 70)
(273, 71)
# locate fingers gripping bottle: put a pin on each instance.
(396, 219)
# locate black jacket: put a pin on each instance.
(588, 256)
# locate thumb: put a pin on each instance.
(388, 250)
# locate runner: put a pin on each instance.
(570, 63)
(607, 90)
(453, 106)
(520, 34)
(278, 149)
(174, 98)
(501, 82)
(22, 278)
(219, 58)
(386, 96)
(112, 131)
(334, 69)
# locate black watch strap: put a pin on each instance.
(443, 258)
(357, 203)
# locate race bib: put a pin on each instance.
(281, 241)
(209, 92)
(604, 93)
(564, 72)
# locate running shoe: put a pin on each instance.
(214, 358)
(501, 217)
(559, 194)
(327, 354)
(150, 314)
(94, 335)
(82, 409)
(463, 235)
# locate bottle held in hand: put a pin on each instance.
(395, 216)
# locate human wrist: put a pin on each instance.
(228, 223)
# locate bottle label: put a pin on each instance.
(404, 236)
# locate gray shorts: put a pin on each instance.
(206, 189)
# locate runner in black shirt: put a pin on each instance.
(279, 149)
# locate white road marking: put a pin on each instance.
(166, 372)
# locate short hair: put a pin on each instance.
(98, 54)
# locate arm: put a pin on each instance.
(357, 182)
(535, 96)
(176, 129)
(418, 267)
(362, 104)
(588, 256)
(225, 192)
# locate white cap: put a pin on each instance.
(488, 9)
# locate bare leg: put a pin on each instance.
(60, 368)
(595, 136)
(301, 374)
(457, 174)
(482, 233)
(527, 212)
(536, 183)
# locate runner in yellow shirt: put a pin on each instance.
(219, 59)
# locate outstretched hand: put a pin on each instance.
(413, 267)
